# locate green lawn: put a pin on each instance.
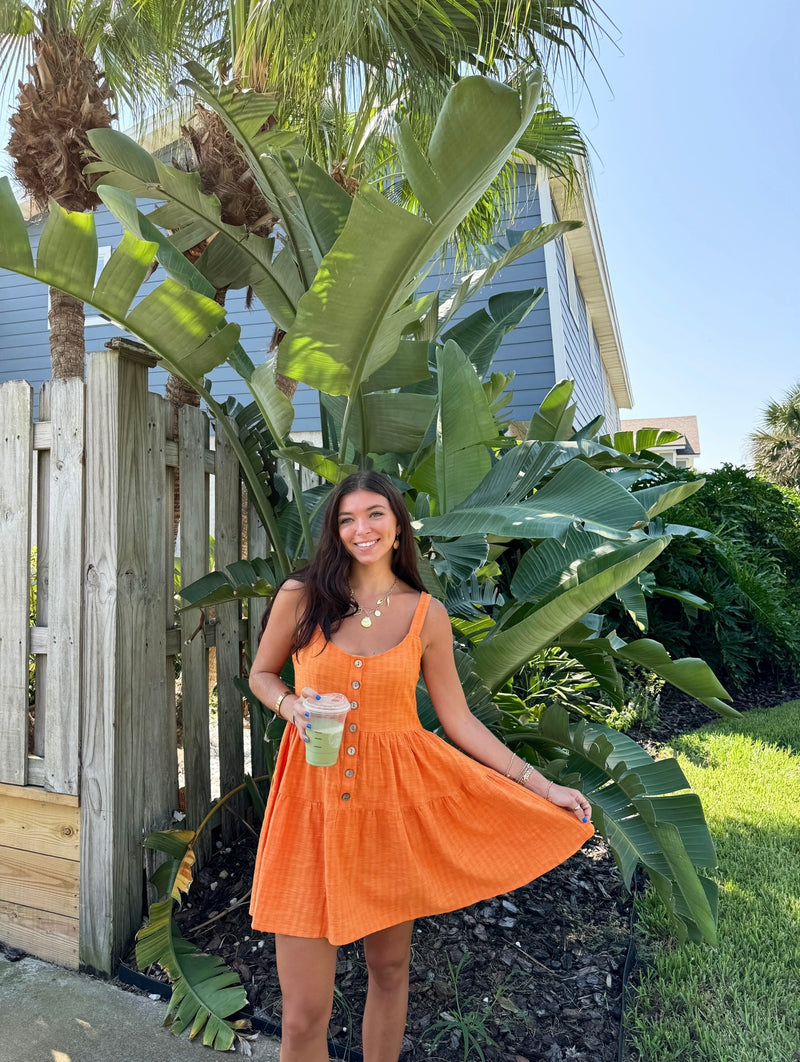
(740, 1001)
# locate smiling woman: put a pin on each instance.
(402, 825)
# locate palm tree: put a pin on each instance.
(340, 71)
(80, 57)
(775, 447)
(343, 70)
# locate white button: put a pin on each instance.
(345, 796)
(349, 772)
(358, 663)
(352, 728)
(356, 685)
(354, 704)
(351, 751)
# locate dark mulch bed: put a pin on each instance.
(537, 974)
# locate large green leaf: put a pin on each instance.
(391, 423)
(480, 334)
(577, 494)
(460, 559)
(276, 406)
(233, 258)
(543, 567)
(408, 365)
(690, 674)
(556, 415)
(505, 651)
(643, 809)
(464, 428)
(186, 329)
(520, 244)
(633, 442)
(205, 991)
(631, 597)
(663, 495)
(241, 580)
(353, 317)
(515, 474)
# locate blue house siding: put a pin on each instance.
(528, 349)
(582, 354)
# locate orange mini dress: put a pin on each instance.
(404, 825)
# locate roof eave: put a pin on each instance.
(576, 203)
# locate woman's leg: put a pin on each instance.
(388, 955)
(306, 969)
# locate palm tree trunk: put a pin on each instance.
(67, 342)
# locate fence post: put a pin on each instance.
(64, 535)
(257, 546)
(227, 550)
(193, 441)
(16, 449)
(119, 607)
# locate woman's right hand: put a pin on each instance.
(296, 715)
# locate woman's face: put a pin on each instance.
(367, 526)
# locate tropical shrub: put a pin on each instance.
(747, 571)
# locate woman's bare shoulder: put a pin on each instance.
(437, 622)
(292, 585)
(289, 600)
(437, 610)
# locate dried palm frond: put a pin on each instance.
(66, 96)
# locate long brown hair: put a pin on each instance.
(327, 584)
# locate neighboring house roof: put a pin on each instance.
(591, 267)
(689, 443)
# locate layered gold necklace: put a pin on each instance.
(368, 613)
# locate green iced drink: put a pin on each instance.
(326, 714)
(324, 739)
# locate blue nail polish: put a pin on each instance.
(305, 714)
(319, 696)
(305, 739)
(308, 726)
(584, 820)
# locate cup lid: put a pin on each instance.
(327, 702)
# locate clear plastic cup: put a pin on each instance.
(327, 714)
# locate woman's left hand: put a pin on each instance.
(572, 800)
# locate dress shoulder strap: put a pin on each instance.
(420, 612)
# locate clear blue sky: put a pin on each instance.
(696, 144)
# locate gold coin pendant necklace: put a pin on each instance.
(368, 613)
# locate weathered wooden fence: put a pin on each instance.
(92, 767)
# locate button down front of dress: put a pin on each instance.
(350, 751)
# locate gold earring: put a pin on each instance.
(396, 544)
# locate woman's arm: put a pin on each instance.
(469, 733)
(274, 650)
